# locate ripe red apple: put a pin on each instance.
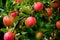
(9, 36)
(8, 21)
(14, 14)
(39, 35)
(18, 1)
(49, 11)
(30, 21)
(38, 6)
(58, 24)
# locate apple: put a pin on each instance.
(30, 21)
(9, 36)
(49, 11)
(55, 4)
(8, 21)
(38, 6)
(14, 14)
(39, 35)
(18, 1)
(58, 24)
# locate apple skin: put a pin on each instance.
(30, 21)
(38, 6)
(9, 36)
(14, 14)
(8, 21)
(49, 11)
(58, 24)
(55, 4)
(18, 1)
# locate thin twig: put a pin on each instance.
(17, 24)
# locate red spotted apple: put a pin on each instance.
(8, 21)
(30, 21)
(14, 14)
(9, 36)
(18, 1)
(38, 6)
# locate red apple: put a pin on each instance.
(9, 36)
(49, 11)
(38, 6)
(58, 24)
(14, 14)
(18, 1)
(30, 21)
(8, 21)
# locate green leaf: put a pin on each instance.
(1, 4)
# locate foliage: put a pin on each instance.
(44, 24)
